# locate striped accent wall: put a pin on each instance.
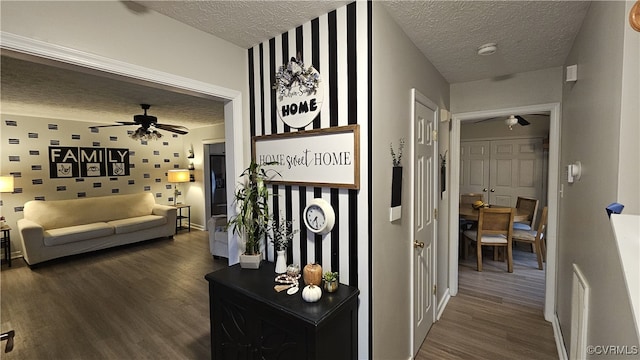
(337, 44)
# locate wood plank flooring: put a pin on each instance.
(150, 301)
(143, 301)
(496, 314)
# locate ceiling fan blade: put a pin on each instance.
(173, 128)
(121, 123)
(522, 121)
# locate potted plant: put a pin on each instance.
(282, 235)
(330, 281)
(252, 220)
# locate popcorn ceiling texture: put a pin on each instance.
(531, 35)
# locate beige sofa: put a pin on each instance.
(53, 229)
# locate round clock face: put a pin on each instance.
(319, 216)
(315, 217)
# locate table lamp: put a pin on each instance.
(6, 186)
(177, 176)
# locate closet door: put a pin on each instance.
(474, 167)
(515, 170)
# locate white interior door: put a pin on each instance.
(474, 167)
(502, 170)
(515, 170)
(424, 227)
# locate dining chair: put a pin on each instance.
(535, 237)
(465, 199)
(529, 206)
(495, 228)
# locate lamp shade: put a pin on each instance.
(6, 184)
(178, 175)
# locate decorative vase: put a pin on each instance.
(312, 274)
(331, 286)
(281, 262)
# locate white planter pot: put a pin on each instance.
(250, 261)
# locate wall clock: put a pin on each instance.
(319, 216)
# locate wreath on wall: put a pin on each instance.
(293, 79)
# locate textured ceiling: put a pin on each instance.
(244, 23)
(42, 90)
(531, 35)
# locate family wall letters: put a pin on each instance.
(73, 162)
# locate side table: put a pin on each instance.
(5, 243)
(180, 216)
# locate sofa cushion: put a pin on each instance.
(124, 226)
(53, 214)
(71, 234)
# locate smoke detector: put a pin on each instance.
(487, 49)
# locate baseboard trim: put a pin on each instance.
(557, 335)
(197, 227)
(442, 304)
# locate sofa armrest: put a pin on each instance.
(31, 238)
(30, 229)
(170, 212)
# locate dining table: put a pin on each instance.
(467, 212)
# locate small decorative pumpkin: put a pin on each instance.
(312, 274)
(311, 293)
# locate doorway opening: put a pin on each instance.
(551, 192)
(39, 51)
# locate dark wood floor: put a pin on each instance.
(146, 301)
(150, 301)
(496, 314)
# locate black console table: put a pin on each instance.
(250, 320)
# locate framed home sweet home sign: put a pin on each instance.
(327, 157)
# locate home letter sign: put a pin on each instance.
(300, 94)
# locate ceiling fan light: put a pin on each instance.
(510, 121)
(487, 49)
(145, 134)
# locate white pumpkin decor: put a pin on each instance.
(311, 293)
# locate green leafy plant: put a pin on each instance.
(282, 233)
(252, 220)
(397, 158)
(330, 276)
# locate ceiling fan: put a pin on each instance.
(512, 120)
(148, 125)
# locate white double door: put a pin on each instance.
(502, 170)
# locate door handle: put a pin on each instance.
(484, 190)
(418, 244)
(493, 190)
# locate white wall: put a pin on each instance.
(151, 40)
(529, 88)
(591, 126)
(398, 66)
(629, 174)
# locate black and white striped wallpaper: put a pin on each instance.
(330, 44)
(337, 44)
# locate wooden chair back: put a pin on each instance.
(470, 198)
(535, 237)
(530, 206)
(495, 228)
(496, 221)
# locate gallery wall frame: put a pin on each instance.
(327, 157)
